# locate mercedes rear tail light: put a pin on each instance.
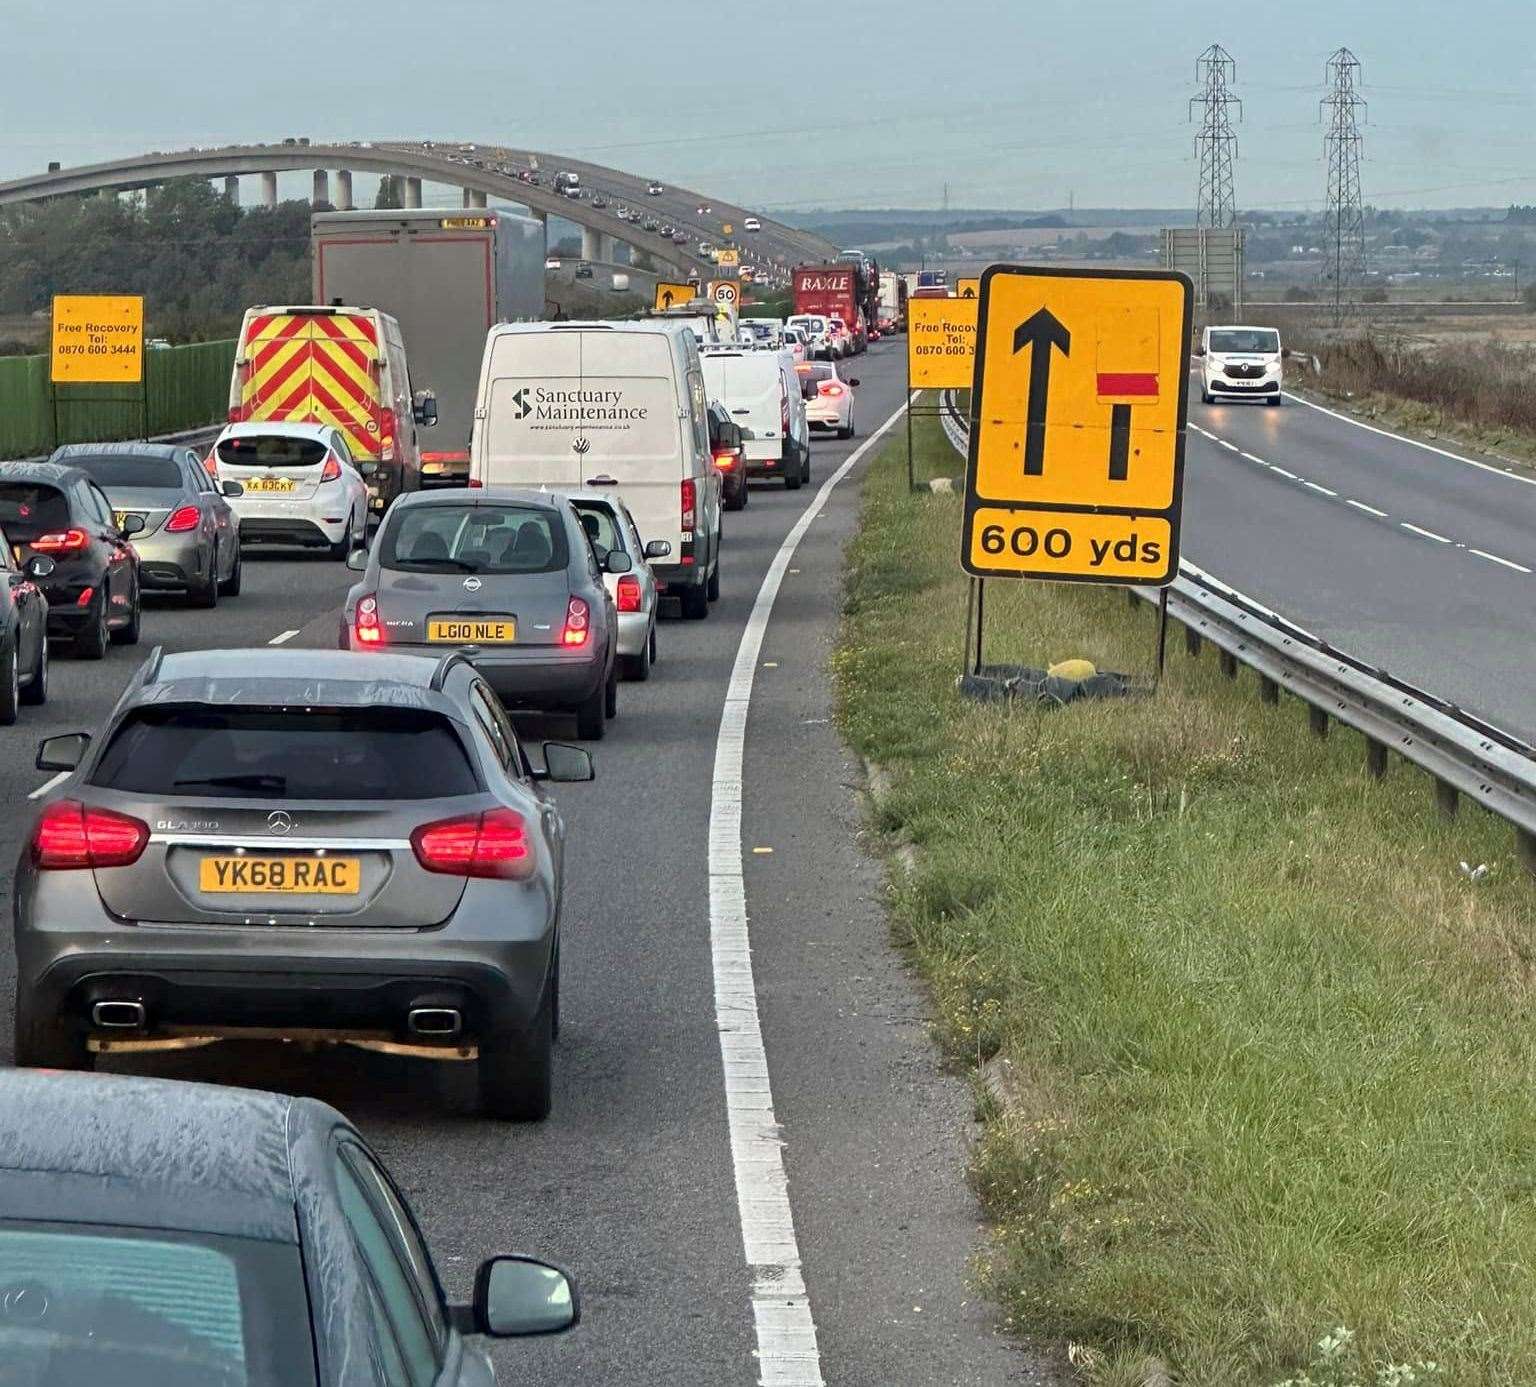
(183, 518)
(69, 835)
(366, 626)
(62, 542)
(492, 844)
(627, 594)
(578, 622)
(690, 506)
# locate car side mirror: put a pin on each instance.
(232, 489)
(853, 381)
(658, 549)
(517, 1297)
(617, 561)
(357, 560)
(63, 752)
(565, 764)
(425, 411)
(133, 525)
(1199, 351)
(38, 566)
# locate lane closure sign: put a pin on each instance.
(1079, 404)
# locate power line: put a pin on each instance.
(1216, 141)
(1343, 112)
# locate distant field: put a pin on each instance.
(1043, 235)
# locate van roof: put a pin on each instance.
(654, 326)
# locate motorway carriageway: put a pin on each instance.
(631, 1183)
(1408, 555)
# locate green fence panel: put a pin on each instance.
(183, 388)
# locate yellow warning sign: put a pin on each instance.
(941, 343)
(98, 339)
(727, 256)
(1078, 414)
(968, 288)
(674, 295)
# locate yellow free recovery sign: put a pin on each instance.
(941, 343)
(1078, 408)
(98, 339)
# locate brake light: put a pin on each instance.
(493, 844)
(69, 835)
(183, 518)
(365, 623)
(829, 388)
(725, 461)
(62, 542)
(627, 597)
(211, 464)
(578, 622)
(690, 505)
(332, 471)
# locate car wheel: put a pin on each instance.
(236, 575)
(848, 432)
(1205, 397)
(792, 479)
(611, 692)
(1273, 401)
(516, 1070)
(591, 719)
(49, 1042)
(37, 691)
(10, 685)
(92, 640)
(651, 645)
(736, 500)
(805, 469)
(208, 594)
(695, 603)
(637, 668)
(712, 590)
(346, 544)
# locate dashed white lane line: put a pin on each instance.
(1369, 510)
(283, 639)
(1282, 472)
(787, 1351)
(47, 785)
(1494, 558)
(1313, 486)
(1428, 534)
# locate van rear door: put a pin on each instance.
(751, 386)
(308, 366)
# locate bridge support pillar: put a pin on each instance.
(343, 190)
(232, 188)
(595, 245)
(413, 192)
(473, 197)
(322, 188)
(269, 190)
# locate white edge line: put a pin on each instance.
(1313, 486)
(1283, 472)
(1414, 442)
(1428, 534)
(1253, 457)
(48, 784)
(1369, 510)
(787, 1351)
(283, 639)
(1494, 558)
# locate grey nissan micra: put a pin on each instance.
(298, 843)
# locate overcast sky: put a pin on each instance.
(844, 103)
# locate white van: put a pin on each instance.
(1240, 363)
(762, 393)
(620, 406)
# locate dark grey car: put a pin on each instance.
(509, 573)
(163, 1234)
(191, 536)
(298, 843)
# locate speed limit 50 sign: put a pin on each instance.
(1078, 411)
(725, 293)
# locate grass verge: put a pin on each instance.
(1273, 1052)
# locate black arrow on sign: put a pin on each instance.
(1119, 442)
(666, 298)
(969, 293)
(1040, 332)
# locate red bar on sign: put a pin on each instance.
(1128, 383)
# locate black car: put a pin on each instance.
(730, 462)
(23, 632)
(163, 1234)
(60, 512)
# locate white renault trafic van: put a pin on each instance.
(762, 393)
(1241, 363)
(620, 406)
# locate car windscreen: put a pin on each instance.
(92, 1303)
(114, 470)
(30, 509)
(271, 450)
(1245, 340)
(474, 538)
(379, 753)
(601, 527)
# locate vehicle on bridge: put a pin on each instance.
(618, 406)
(338, 365)
(445, 277)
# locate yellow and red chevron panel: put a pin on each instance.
(316, 368)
